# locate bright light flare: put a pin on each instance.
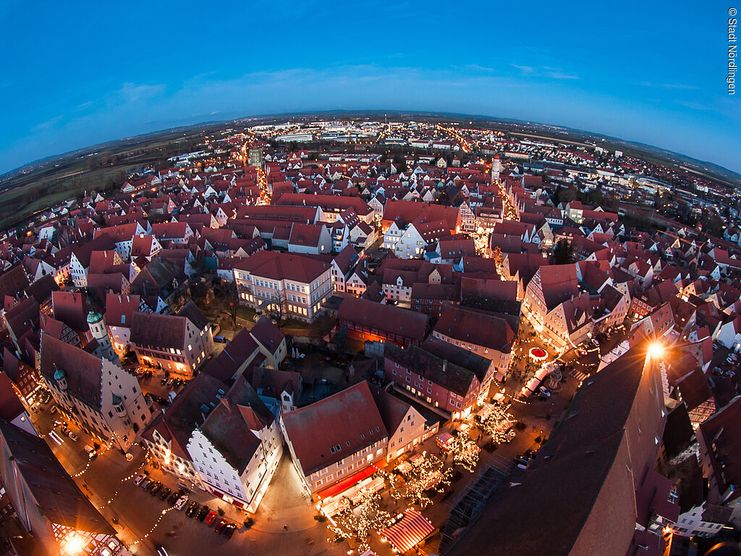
(73, 545)
(655, 350)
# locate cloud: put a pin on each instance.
(479, 68)
(48, 124)
(524, 70)
(544, 72)
(133, 92)
(669, 86)
(693, 105)
(560, 75)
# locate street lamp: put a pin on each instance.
(73, 545)
(655, 350)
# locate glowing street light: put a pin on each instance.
(655, 350)
(73, 545)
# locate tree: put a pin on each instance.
(359, 520)
(464, 450)
(563, 252)
(429, 475)
(498, 423)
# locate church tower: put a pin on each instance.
(100, 332)
(496, 168)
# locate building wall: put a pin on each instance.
(161, 450)
(411, 432)
(500, 361)
(391, 236)
(213, 469)
(298, 300)
(411, 244)
(690, 524)
(334, 473)
(199, 344)
(429, 391)
(348, 466)
(108, 424)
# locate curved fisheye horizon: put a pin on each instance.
(122, 73)
(388, 113)
(367, 278)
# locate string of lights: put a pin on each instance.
(151, 530)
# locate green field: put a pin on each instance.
(70, 176)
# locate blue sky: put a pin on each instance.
(78, 73)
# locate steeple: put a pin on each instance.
(97, 326)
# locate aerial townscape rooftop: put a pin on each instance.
(333, 329)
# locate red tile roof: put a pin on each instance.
(476, 327)
(83, 371)
(386, 318)
(349, 419)
(283, 266)
(305, 235)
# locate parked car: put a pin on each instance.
(72, 436)
(173, 497)
(203, 512)
(145, 483)
(138, 479)
(90, 451)
(229, 530)
(211, 518)
(181, 502)
(220, 339)
(154, 488)
(192, 509)
(219, 527)
(523, 461)
(164, 493)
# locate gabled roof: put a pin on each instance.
(558, 283)
(283, 266)
(13, 282)
(346, 258)
(119, 309)
(188, 410)
(191, 311)
(722, 436)
(477, 327)
(231, 424)
(10, 405)
(431, 367)
(267, 334)
(225, 365)
(82, 370)
(71, 309)
(306, 235)
(162, 331)
(392, 409)
(349, 419)
(388, 318)
(568, 479)
(57, 495)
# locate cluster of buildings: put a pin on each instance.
(427, 261)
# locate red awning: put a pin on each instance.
(350, 481)
(409, 532)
